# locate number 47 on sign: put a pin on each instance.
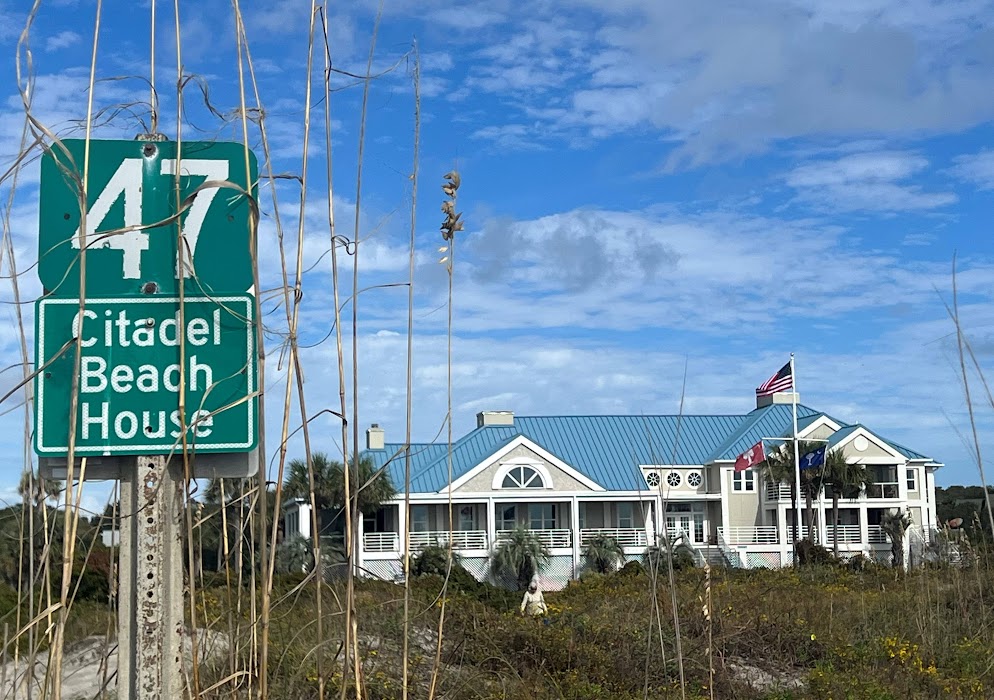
(133, 184)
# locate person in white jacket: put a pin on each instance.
(533, 603)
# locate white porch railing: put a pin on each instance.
(625, 536)
(554, 539)
(461, 539)
(763, 534)
(876, 535)
(381, 542)
(846, 534)
(775, 492)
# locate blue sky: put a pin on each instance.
(645, 184)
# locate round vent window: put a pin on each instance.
(652, 478)
(673, 479)
(694, 480)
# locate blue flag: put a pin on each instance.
(814, 459)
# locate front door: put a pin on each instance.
(688, 517)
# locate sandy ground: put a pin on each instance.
(89, 669)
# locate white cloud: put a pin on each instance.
(465, 18)
(866, 181)
(709, 273)
(511, 136)
(62, 40)
(918, 239)
(976, 168)
(725, 80)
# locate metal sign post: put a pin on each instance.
(150, 600)
(140, 349)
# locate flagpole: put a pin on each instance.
(797, 463)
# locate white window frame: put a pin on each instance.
(464, 520)
(547, 509)
(623, 511)
(507, 467)
(744, 481)
(501, 522)
(911, 475)
(418, 522)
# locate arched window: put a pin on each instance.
(522, 477)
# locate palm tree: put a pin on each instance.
(603, 554)
(369, 487)
(812, 482)
(36, 490)
(298, 484)
(520, 554)
(894, 525)
(846, 479)
(779, 469)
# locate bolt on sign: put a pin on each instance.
(132, 200)
(130, 374)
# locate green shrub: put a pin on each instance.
(603, 554)
(809, 553)
(632, 568)
(683, 558)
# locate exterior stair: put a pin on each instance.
(714, 556)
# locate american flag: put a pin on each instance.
(781, 381)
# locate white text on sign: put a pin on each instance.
(97, 376)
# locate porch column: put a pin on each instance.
(491, 523)
(822, 521)
(359, 542)
(574, 517)
(726, 492)
(864, 530)
(402, 515)
(785, 530)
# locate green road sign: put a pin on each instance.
(130, 373)
(130, 184)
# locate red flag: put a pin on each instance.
(750, 458)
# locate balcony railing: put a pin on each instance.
(845, 534)
(381, 542)
(775, 492)
(876, 535)
(554, 539)
(763, 534)
(461, 539)
(625, 536)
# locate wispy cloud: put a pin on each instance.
(722, 80)
(873, 181)
(62, 40)
(976, 168)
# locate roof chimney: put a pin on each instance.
(488, 418)
(787, 397)
(374, 437)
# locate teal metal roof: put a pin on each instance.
(606, 449)
(804, 423)
(771, 421)
(841, 435)
(848, 430)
